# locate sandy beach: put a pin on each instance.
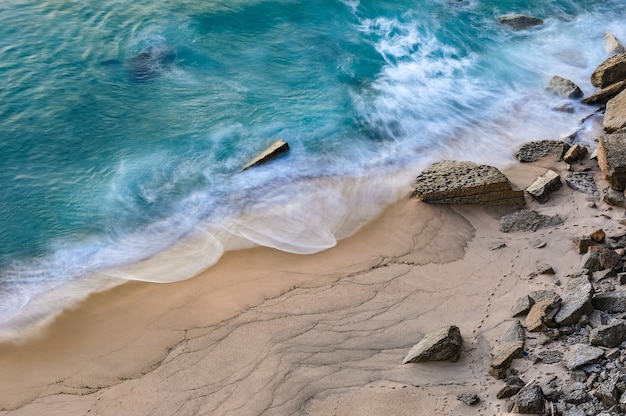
(272, 333)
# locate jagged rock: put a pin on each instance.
(607, 392)
(542, 313)
(612, 302)
(564, 87)
(527, 220)
(603, 95)
(612, 45)
(610, 335)
(612, 159)
(531, 151)
(613, 197)
(582, 244)
(576, 301)
(459, 182)
(615, 114)
(522, 306)
(598, 235)
(590, 261)
(544, 185)
(441, 345)
(520, 21)
(575, 153)
(579, 355)
(513, 385)
(578, 396)
(610, 71)
(511, 346)
(609, 259)
(544, 268)
(551, 356)
(622, 402)
(529, 400)
(275, 149)
(582, 182)
(468, 398)
(542, 294)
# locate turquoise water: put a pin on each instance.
(125, 125)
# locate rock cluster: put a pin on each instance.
(583, 328)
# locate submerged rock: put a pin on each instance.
(612, 45)
(564, 87)
(441, 345)
(460, 182)
(275, 149)
(520, 21)
(150, 63)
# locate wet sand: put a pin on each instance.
(272, 333)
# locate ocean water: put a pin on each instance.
(125, 125)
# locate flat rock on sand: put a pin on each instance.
(527, 220)
(441, 345)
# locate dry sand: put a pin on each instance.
(266, 332)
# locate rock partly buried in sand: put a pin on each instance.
(564, 87)
(460, 182)
(610, 71)
(277, 148)
(612, 159)
(612, 45)
(582, 182)
(544, 185)
(441, 345)
(615, 114)
(511, 346)
(605, 94)
(520, 21)
(529, 400)
(531, 151)
(527, 220)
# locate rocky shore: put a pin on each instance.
(573, 330)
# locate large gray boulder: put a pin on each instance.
(564, 87)
(459, 182)
(520, 21)
(610, 71)
(615, 113)
(612, 159)
(527, 220)
(531, 151)
(544, 185)
(441, 345)
(575, 301)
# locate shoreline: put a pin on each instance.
(315, 331)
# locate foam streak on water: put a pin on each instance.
(125, 125)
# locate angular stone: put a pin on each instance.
(515, 333)
(612, 302)
(542, 294)
(520, 21)
(610, 71)
(590, 261)
(544, 268)
(459, 182)
(578, 397)
(441, 345)
(582, 182)
(513, 386)
(544, 185)
(609, 259)
(576, 301)
(582, 244)
(575, 153)
(613, 197)
(527, 220)
(522, 306)
(607, 392)
(610, 335)
(542, 314)
(564, 87)
(603, 95)
(612, 45)
(529, 400)
(502, 357)
(612, 159)
(615, 114)
(275, 149)
(579, 355)
(531, 151)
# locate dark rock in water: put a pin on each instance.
(527, 220)
(610, 71)
(150, 63)
(615, 114)
(460, 182)
(564, 87)
(605, 94)
(520, 21)
(441, 345)
(531, 151)
(582, 182)
(273, 151)
(612, 159)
